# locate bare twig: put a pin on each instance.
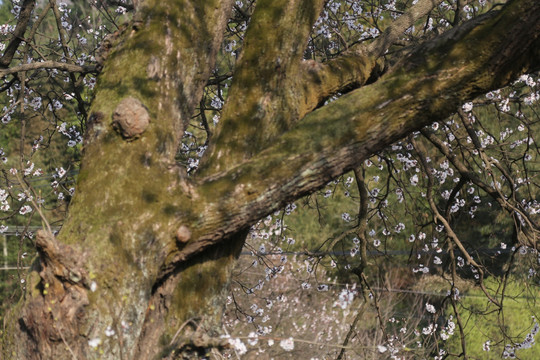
(63, 41)
(350, 332)
(49, 64)
(449, 231)
(66, 344)
(31, 194)
(191, 320)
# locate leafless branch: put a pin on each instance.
(17, 37)
(49, 64)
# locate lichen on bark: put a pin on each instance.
(152, 248)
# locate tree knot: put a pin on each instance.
(130, 118)
(183, 234)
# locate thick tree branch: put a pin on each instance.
(273, 89)
(263, 100)
(438, 78)
(356, 66)
(392, 33)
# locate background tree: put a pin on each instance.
(150, 238)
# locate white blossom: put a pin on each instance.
(94, 343)
(287, 344)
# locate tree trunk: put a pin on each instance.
(133, 205)
(141, 266)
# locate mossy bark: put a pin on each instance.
(146, 251)
(131, 197)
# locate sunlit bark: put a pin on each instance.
(146, 251)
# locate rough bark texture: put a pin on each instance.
(145, 249)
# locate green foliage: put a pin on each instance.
(5, 14)
(484, 322)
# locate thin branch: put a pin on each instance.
(362, 218)
(492, 191)
(18, 34)
(32, 195)
(350, 333)
(448, 228)
(65, 343)
(356, 66)
(63, 41)
(190, 320)
(49, 64)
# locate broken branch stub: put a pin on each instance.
(130, 118)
